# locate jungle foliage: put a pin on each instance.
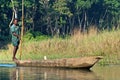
(61, 17)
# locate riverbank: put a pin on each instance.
(106, 44)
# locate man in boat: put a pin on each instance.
(15, 32)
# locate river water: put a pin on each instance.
(111, 72)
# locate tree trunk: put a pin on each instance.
(34, 12)
(71, 22)
(118, 26)
(80, 26)
(85, 22)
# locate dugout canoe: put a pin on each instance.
(75, 63)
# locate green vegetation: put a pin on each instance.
(61, 17)
(105, 44)
(64, 29)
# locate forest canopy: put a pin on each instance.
(61, 17)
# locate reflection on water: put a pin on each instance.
(33, 73)
(111, 72)
(25, 73)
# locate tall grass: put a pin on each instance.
(106, 43)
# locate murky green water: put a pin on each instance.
(32, 73)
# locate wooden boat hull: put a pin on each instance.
(79, 63)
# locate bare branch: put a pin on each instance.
(14, 15)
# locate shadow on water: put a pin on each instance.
(33, 73)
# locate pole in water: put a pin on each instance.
(22, 29)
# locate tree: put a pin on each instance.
(113, 18)
(82, 8)
(5, 18)
(60, 17)
(63, 12)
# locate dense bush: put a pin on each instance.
(30, 35)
